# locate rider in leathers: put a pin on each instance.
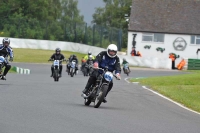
(57, 56)
(107, 58)
(71, 58)
(5, 51)
(88, 62)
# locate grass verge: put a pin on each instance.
(184, 89)
(38, 55)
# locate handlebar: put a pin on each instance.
(118, 78)
(53, 60)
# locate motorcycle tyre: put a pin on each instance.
(103, 91)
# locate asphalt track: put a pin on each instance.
(36, 104)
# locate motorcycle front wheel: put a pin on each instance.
(100, 97)
(72, 72)
(56, 78)
(87, 101)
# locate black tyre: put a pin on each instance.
(55, 75)
(72, 72)
(101, 96)
(87, 102)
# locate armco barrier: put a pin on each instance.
(21, 70)
(193, 64)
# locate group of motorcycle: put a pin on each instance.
(72, 68)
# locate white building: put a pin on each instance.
(173, 25)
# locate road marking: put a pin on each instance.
(22, 70)
(170, 100)
(135, 82)
(126, 79)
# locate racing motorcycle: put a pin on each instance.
(97, 92)
(72, 70)
(2, 60)
(125, 68)
(56, 64)
(88, 69)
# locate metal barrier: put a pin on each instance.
(193, 64)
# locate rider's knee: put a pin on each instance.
(8, 66)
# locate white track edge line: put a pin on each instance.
(126, 79)
(180, 105)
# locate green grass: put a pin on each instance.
(39, 56)
(12, 70)
(184, 89)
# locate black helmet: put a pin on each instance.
(6, 40)
(74, 56)
(89, 53)
(57, 50)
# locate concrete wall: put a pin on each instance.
(189, 52)
(52, 45)
(145, 61)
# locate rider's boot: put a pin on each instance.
(104, 100)
(89, 83)
(60, 74)
(3, 77)
(51, 72)
(86, 88)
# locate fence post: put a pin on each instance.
(119, 39)
(85, 36)
(93, 35)
(101, 36)
(75, 36)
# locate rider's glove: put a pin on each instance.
(118, 76)
(11, 59)
(96, 65)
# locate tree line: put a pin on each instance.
(61, 20)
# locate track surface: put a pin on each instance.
(36, 104)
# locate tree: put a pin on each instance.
(112, 15)
(40, 19)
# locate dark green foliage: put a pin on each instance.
(57, 20)
(113, 16)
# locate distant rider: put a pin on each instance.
(89, 62)
(107, 58)
(57, 56)
(86, 57)
(71, 58)
(5, 51)
(123, 63)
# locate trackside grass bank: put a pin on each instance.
(184, 89)
(39, 56)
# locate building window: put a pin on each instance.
(195, 40)
(152, 37)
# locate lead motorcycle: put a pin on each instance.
(56, 64)
(2, 60)
(97, 92)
